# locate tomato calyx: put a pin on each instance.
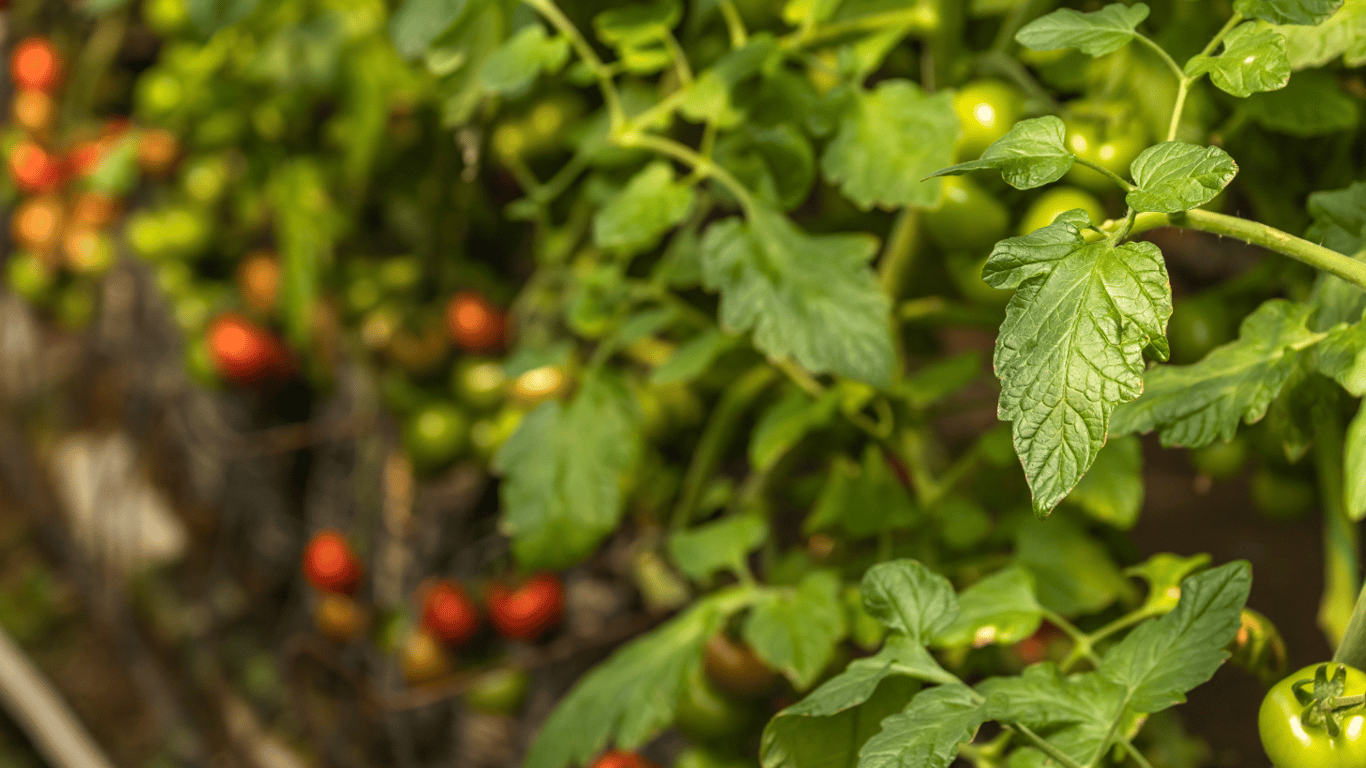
(1323, 701)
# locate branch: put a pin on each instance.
(42, 714)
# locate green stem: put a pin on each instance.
(556, 17)
(734, 24)
(699, 164)
(680, 58)
(1111, 175)
(1256, 233)
(715, 437)
(1352, 650)
(899, 255)
(1021, 13)
(1135, 754)
(945, 44)
(1182, 82)
(1045, 746)
(916, 19)
(1339, 534)
(1081, 642)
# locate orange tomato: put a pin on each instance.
(475, 323)
(35, 64)
(34, 169)
(258, 278)
(33, 110)
(158, 149)
(94, 210)
(422, 658)
(37, 222)
(88, 251)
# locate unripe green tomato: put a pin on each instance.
(28, 276)
(159, 93)
(146, 235)
(1280, 496)
(704, 714)
(968, 218)
(165, 17)
(1057, 201)
(987, 110)
(186, 230)
(479, 383)
(1198, 325)
(192, 309)
(498, 692)
(205, 178)
(220, 129)
(1113, 149)
(269, 121)
(435, 434)
(399, 273)
(363, 294)
(966, 271)
(545, 123)
(1291, 742)
(174, 277)
(1222, 459)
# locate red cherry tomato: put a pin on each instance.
(475, 324)
(33, 169)
(36, 64)
(330, 564)
(619, 759)
(528, 611)
(243, 351)
(449, 614)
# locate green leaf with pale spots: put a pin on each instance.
(1194, 405)
(1000, 609)
(1253, 60)
(1094, 34)
(812, 299)
(1071, 346)
(1175, 176)
(1030, 155)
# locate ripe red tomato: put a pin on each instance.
(528, 611)
(449, 614)
(243, 351)
(330, 564)
(620, 759)
(33, 169)
(475, 323)
(36, 64)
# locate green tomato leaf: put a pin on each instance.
(928, 733)
(1311, 105)
(648, 206)
(909, 598)
(1073, 573)
(1164, 573)
(1030, 155)
(1071, 346)
(418, 23)
(1253, 59)
(1112, 490)
(513, 67)
(889, 140)
(563, 469)
(776, 162)
(827, 728)
(862, 501)
(1194, 405)
(637, 26)
(211, 15)
(809, 298)
(1094, 34)
(1077, 711)
(1175, 176)
(1354, 467)
(1000, 609)
(1162, 659)
(785, 423)
(1288, 11)
(941, 379)
(1343, 34)
(796, 630)
(1339, 218)
(631, 697)
(693, 358)
(711, 97)
(1342, 356)
(721, 545)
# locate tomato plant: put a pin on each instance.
(824, 347)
